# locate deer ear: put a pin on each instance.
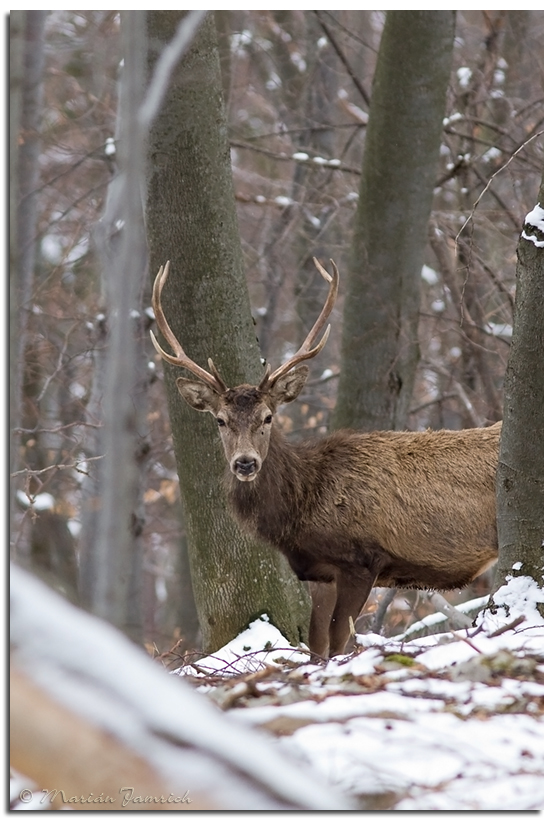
(289, 385)
(198, 395)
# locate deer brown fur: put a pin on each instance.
(351, 510)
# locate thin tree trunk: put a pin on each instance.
(29, 149)
(93, 449)
(26, 64)
(17, 52)
(520, 481)
(379, 345)
(115, 555)
(192, 221)
(313, 236)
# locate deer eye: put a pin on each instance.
(268, 419)
(220, 422)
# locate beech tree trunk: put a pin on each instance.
(191, 220)
(379, 343)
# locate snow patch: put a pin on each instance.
(425, 721)
(283, 201)
(536, 219)
(429, 275)
(42, 501)
(464, 75)
(261, 643)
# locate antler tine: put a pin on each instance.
(306, 351)
(217, 377)
(181, 359)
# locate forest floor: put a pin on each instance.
(447, 722)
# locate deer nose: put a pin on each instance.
(245, 467)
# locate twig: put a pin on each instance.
(465, 639)
(431, 402)
(59, 364)
(489, 183)
(474, 415)
(319, 162)
(382, 607)
(230, 665)
(59, 429)
(29, 472)
(516, 622)
(343, 58)
(483, 180)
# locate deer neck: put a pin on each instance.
(270, 504)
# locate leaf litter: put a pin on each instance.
(451, 721)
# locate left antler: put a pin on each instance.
(181, 359)
(306, 351)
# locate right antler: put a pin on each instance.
(306, 351)
(212, 379)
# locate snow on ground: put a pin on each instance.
(446, 722)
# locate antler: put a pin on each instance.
(306, 351)
(212, 379)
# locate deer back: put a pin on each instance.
(425, 499)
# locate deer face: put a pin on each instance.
(244, 415)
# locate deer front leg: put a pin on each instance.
(324, 598)
(352, 593)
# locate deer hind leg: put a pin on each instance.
(352, 593)
(324, 598)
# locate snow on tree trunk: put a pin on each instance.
(520, 481)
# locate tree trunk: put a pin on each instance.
(26, 65)
(192, 221)
(520, 481)
(17, 52)
(115, 556)
(314, 236)
(379, 344)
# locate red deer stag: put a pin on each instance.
(350, 510)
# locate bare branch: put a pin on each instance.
(489, 183)
(457, 619)
(59, 364)
(73, 466)
(462, 395)
(343, 58)
(315, 162)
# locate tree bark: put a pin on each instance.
(520, 480)
(26, 66)
(314, 237)
(115, 557)
(379, 343)
(192, 221)
(17, 52)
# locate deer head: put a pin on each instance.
(244, 413)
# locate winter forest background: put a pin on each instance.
(408, 148)
(297, 89)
